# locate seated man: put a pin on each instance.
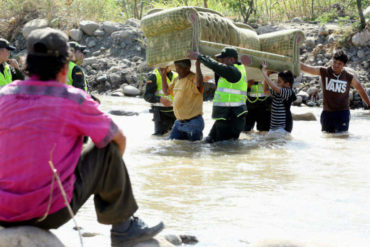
(44, 120)
(187, 92)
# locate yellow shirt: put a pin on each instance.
(187, 98)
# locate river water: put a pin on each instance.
(311, 188)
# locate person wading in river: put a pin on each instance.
(42, 120)
(335, 83)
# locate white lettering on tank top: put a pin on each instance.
(336, 86)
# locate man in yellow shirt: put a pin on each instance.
(187, 92)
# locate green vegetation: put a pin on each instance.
(64, 13)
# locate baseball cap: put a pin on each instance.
(5, 44)
(76, 46)
(48, 42)
(227, 52)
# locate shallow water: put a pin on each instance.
(312, 187)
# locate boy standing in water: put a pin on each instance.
(282, 98)
(336, 83)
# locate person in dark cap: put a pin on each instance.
(43, 122)
(76, 76)
(229, 102)
(9, 68)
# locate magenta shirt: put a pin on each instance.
(35, 116)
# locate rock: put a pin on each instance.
(91, 43)
(188, 239)
(88, 27)
(310, 42)
(310, 103)
(116, 93)
(89, 61)
(129, 90)
(133, 22)
(360, 53)
(173, 239)
(122, 112)
(115, 78)
(157, 242)
(28, 236)
(361, 38)
(308, 116)
(123, 35)
(123, 44)
(33, 25)
(99, 32)
(110, 27)
(297, 20)
(304, 95)
(298, 101)
(365, 64)
(323, 31)
(102, 78)
(75, 34)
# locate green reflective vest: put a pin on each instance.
(6, 78)
(256, 91)
(69, 79)
(159, 91)
(230, 95)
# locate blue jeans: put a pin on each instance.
(188, 129)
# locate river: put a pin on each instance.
(311, 188)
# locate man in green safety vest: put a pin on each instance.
(76, 76)
(9, 68)
(259, 107)
(163, 115)
(229, 102)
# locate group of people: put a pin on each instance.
(239, 103)
(45, 117)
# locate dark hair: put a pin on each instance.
(287, 77)
(45, 67)
(341, 56)
(183, 63)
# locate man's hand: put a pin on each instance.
(163, 71)
(12, 62)
(264, 66)
(193, 55)
(165, 101)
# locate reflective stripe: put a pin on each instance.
(6, 78)
(159, 93)
(257, 95)
(230, 90)
(228, 104)
(158, 104)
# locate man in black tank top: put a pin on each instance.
(336, 83)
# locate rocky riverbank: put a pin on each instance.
(116, 55)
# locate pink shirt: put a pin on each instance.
(35, 117)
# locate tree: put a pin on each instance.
(244, 7)
(362, 18)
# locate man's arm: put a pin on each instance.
(230, 73)
(268, 81)
(150, 89)
(163, 72)
(357, 85)
(313, 70)
(120, 140)
(199, 76)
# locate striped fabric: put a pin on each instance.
(278, 111)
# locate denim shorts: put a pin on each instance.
(335, 122)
